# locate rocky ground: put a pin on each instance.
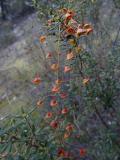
(18, 64)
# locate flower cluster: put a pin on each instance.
(61, 113)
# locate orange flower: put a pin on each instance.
(63, 95)
(55, 67)
(86, 81)
(54, 124)
(67, 69)
(53, 103)
(66, 135)
(87, 26)
(70, 56)
(83, 152)
(49, 55)
(69, 127)
(64, 111)
(55, 89)
(48, 115)
(42, 39)
(40, 103)
(80, 32)
(89, 30)
(36, 80)
(58, 82)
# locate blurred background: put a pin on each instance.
(21, 53)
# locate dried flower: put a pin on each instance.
(64, 110)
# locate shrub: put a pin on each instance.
(76, 116)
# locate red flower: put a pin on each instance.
(54, 124)
(56, 89)
(36, 80)
(67, 69)
(69, 127)
(83, 152)
(48, 115)
(53, 103)
(64, 110)
(61, 152)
